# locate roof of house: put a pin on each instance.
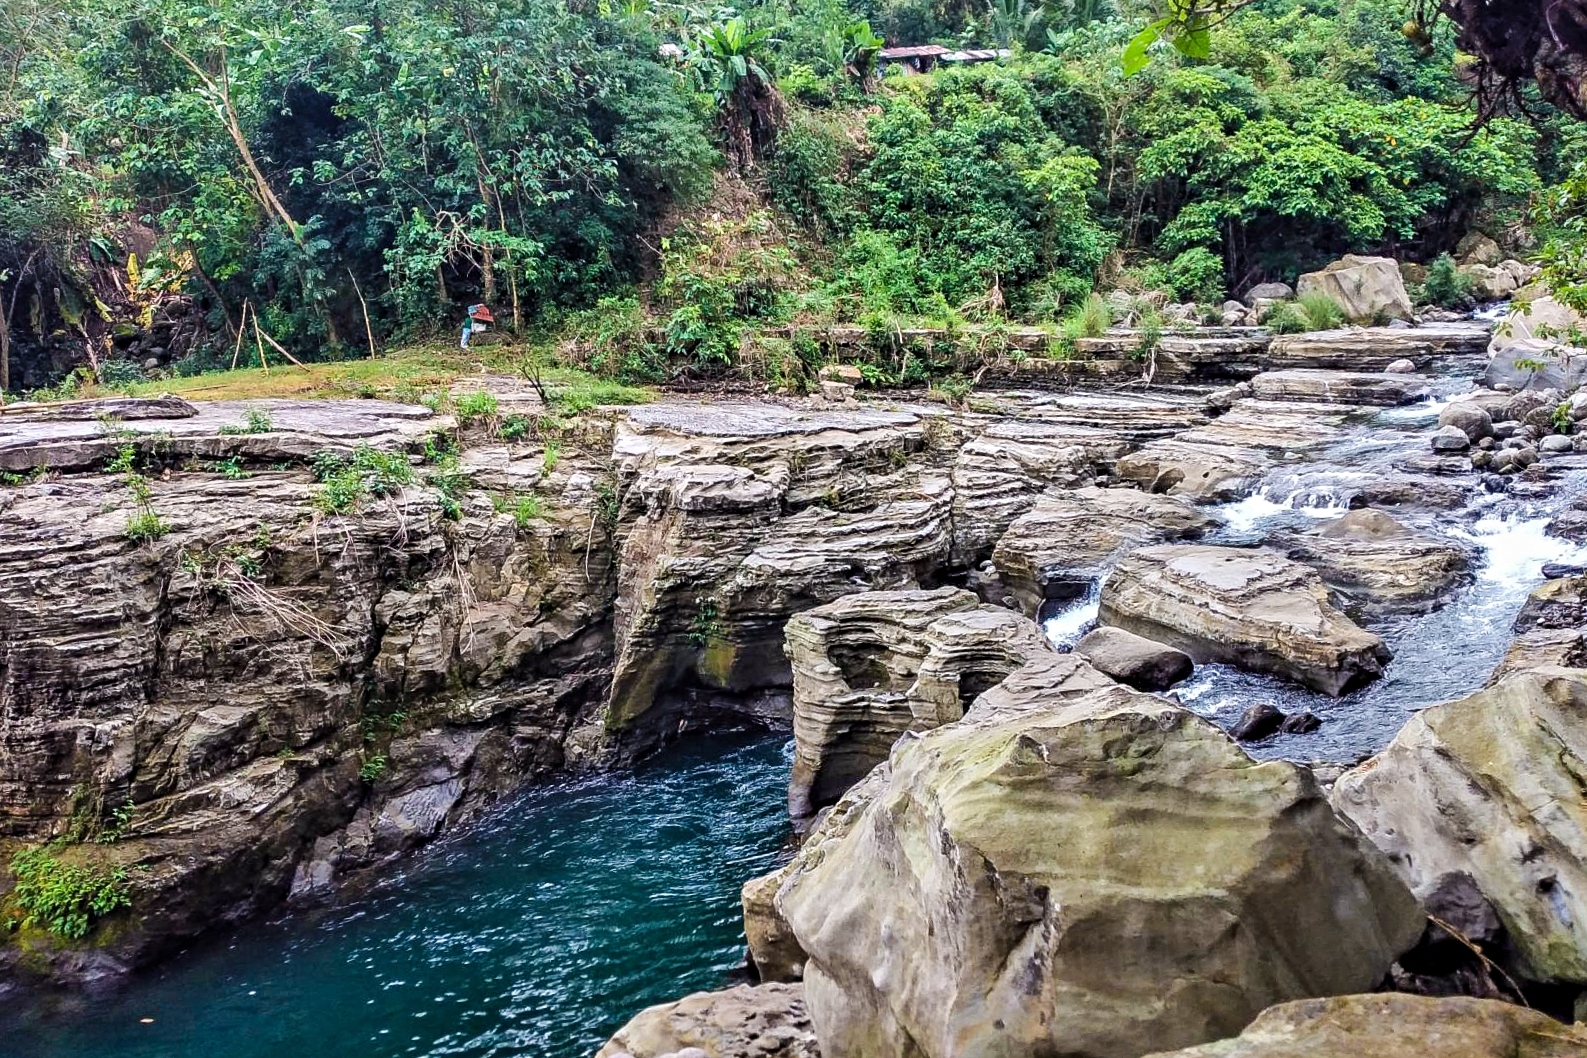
(913, 52)
(976, 55)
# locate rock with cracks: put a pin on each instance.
(1249, 607)
(1493, 786)
(870, 667)
(1061, 548)
(1080, 871)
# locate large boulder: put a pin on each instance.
(1253, 608)
(1269, 292)
(1492, 786)
(1134, 660)
(1093, 875)
(1490, 283)
(1369, 289)
(869, 667)
(1530, 350)
(1477, 248)
(767, 1021)
(1063, 546)
(1377, 566)
(1390, 1025)
(1469, 417)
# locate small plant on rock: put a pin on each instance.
(346, 482)
(1321, 312)
(254, 420)
(480, 406)
(65, 898)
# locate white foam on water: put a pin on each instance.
(1493, 312)
(1516, 546)
(1065, 627)
(1242, 516)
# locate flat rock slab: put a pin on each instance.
(1134, 660)
(1137, 417)
(1252, 608)
(1494, 787)
(124, 408)
(214, 430)
(1340, 387)
(757, 420)
(1375, 348)
(1064, 544)
(1380, 566)
(1390, 1025)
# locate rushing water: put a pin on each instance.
(1437, 656)
(536, 933)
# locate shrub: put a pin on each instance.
(65, 898)
(145, 526)
(1285, 318)
(1446, 286)
(1197, 275)
(525, 509)
(254, 420)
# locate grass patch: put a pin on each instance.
(254, 420)
(347, 482)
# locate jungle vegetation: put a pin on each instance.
(648, 180)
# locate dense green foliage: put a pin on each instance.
(65, 898)
(659, 180)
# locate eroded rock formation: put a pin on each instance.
(1492, 787)
(870, 667)
(1250, 607)
(1085, 870)
(767, 1021)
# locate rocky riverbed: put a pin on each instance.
(1024, 837)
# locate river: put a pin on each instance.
(536, 932)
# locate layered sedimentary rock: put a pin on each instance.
(1494, 787)
(1340, 387)
(1376, 565)
(1254, 608)
(1551, 629)
(1063, 545)
(266, 697)
(766, 1021)
(1222, 460)
(743, 517)
(870, 667)
(999, 475)
(1386, 1025)
(1080, 870)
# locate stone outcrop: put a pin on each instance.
(766, 1021)
(1492, 787)
(1133, 660)
(1368, 289)
(1063, 545)
(88, 434)
(1378, 566)
(1386, 1025)
(1000, 474)
(1080, 870)
(1340, 387)
(870, 667)
(743, 516)
(1253, 608)
(1373, 349)
(267, 698)
(1551, 629)
(1222, 460)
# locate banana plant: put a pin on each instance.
(727, 58)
